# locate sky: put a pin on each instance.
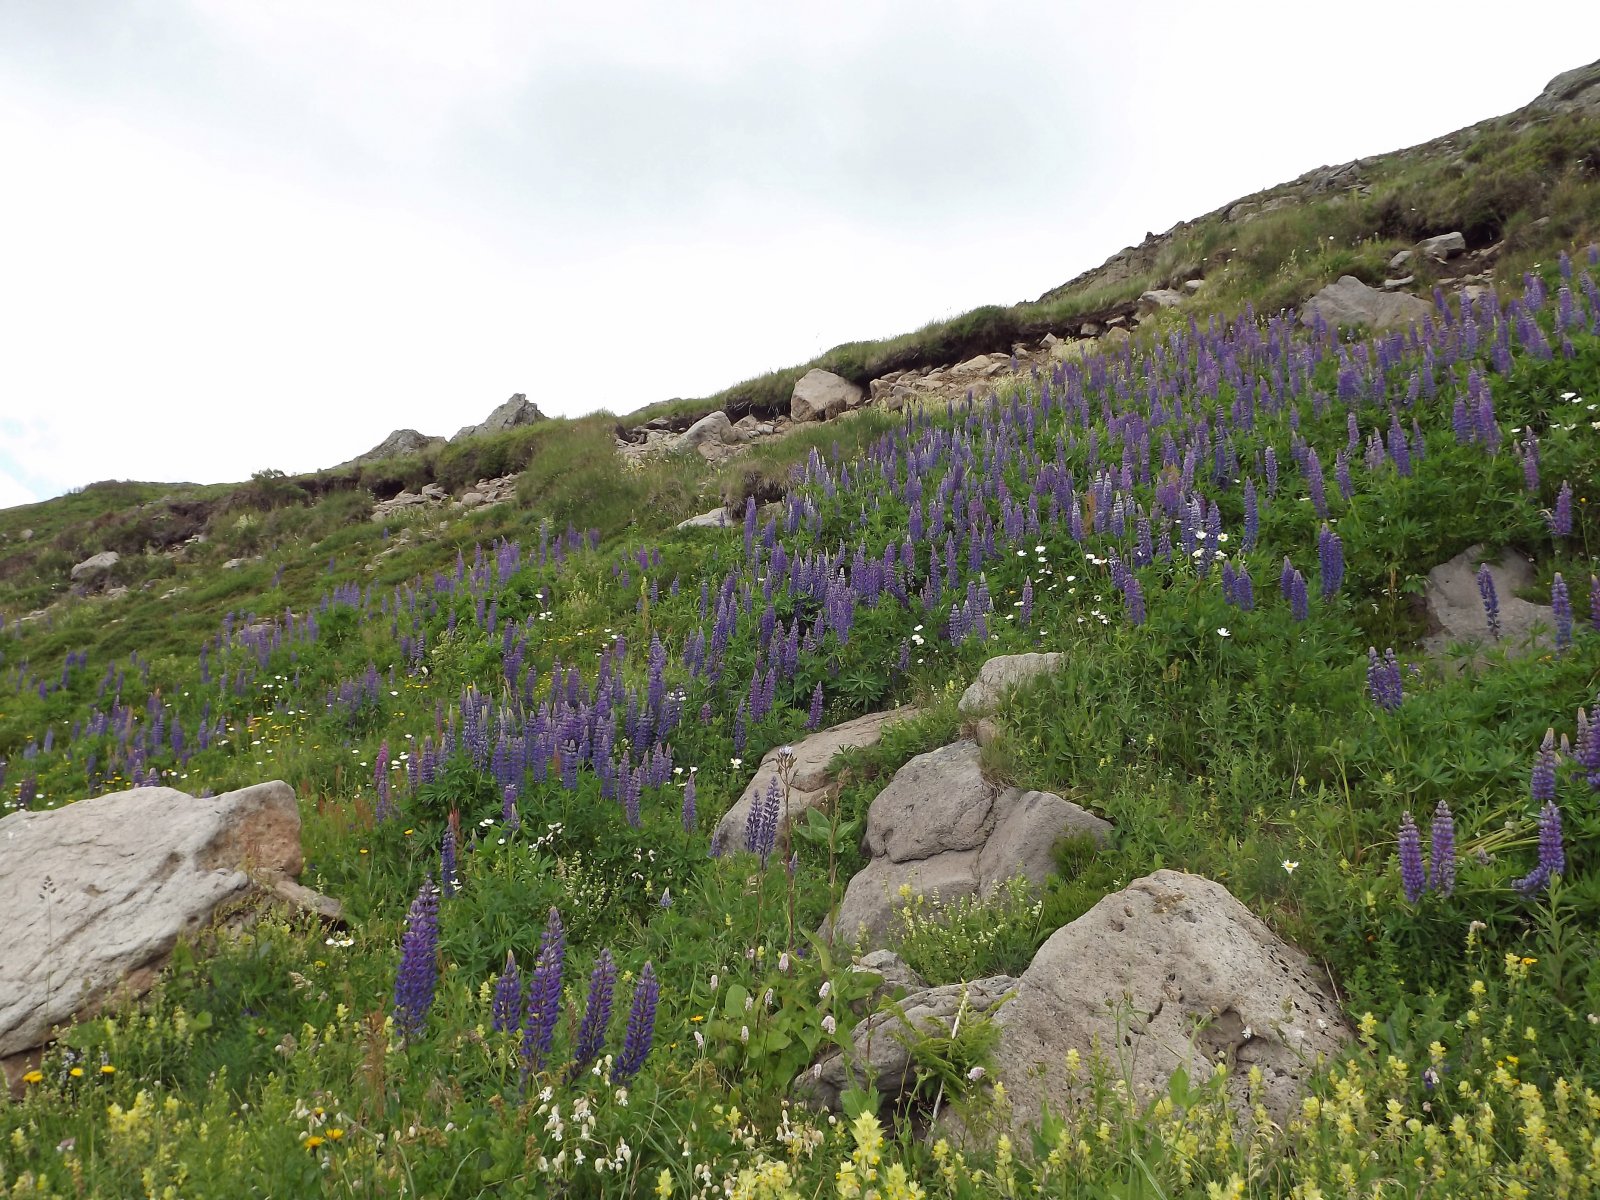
(248, 234)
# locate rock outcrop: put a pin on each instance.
(1170, 972)
(1001, 676)
(1577, 90)
(1351, 302)
(809, 778)
(1442, 246)
(940, 829)
(398, 444)
(1456, 611)
(513, 414)
(99, 892)
(821, 395)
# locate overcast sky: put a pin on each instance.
(241, 234)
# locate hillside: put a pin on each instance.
(1273, 869)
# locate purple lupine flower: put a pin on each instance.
(506, 1011)
(1299, 600)
(596, 1013)
(1442, 864)
(641, 1026)
(1491, 602)
(689, 805)
(1383, 681)
(419, 968)
(761, 827)
(814, 717)
(1594, 602)
(380, 779)
(1133, 601)
(1027, 602)
(510, 819)
(1561, 610)
(1412, 878)
(1529, 450)
(1560, 517)
(447, 860)
(1252, 514)
(1542, 780)
(542, 1009)
(1330, 551)
(1552, 854)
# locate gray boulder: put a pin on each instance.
(1170, 972)
(1456, 612)
(1351, 302)
(95, 566)
(939, 829)
(513, 414)
(1400, 259)
(99, 892)
(717, 518)
(714, 428)
(809, 779)
(1443, 246)
(1002, 675)
(881, 1046)
(1157, 299)
(821, 395)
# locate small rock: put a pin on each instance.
(1158, 298)
(1090, 330)
(714, 428)
(1002, 675)
(1400, 260)
(1193, 285)
(472, 499)
(821, 395)
(1390, 285)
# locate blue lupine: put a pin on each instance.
(510, 820)
(447, 860)
(1413, 880)
(1491, 602)
(596, 1013)
(506, 1010)
(1133, 599)
(541, 1009)
(1542, 781)
(1442, 863)
(641, 1026)
(1552, 853)
(1384, 682)
(1330, 551)
(1561, 610)
(1560, 517)
(419, 968)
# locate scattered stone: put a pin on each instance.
(95, 566)
(1002, 675)
(100, 890)
(821, 395)
(233, 564)
(1351, 302)
(1170, 972)
(1193, 285)
(1115, 337)
(1071, 351)
(513, 414)
(940, 829)
(1455, 607)
(1442, 247)
(1400, 260)
(1390, 285)
(1090, 330)
(471, 499)
(882, 1044)
(809, 779)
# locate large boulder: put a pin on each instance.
(99, 892)
(1001, 675)
(714, 429)
(513, 414)
(1170, 972)
(95, 566)
(1351, 302)
(1156, 299)
(821, 395)
(1577, 90)
(809, 778)
(1443, 246)
(940, 829)
(1456, 612)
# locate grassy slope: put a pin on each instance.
(1231, 756)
